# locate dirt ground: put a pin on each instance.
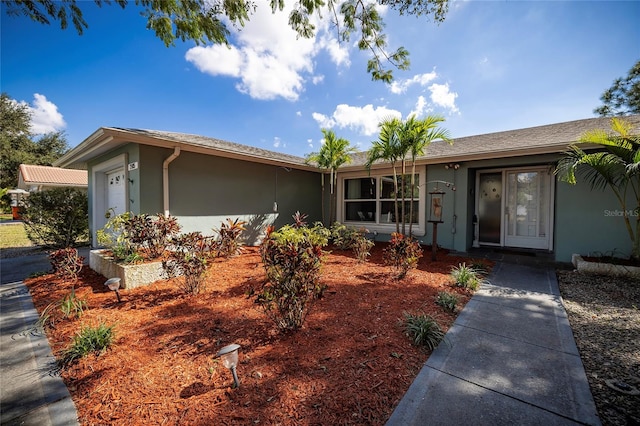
(351, 363)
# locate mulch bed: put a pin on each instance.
(351, 363)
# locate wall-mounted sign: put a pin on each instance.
(133, 166)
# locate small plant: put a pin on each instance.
(114, 237)
(402, 254)
(423, 330)
(480, 267)
(466, 277)
(229, 243)
(343, 237)
(292, 258)
(189, 259)
(88, 340)
(71, 306)
(447, 301)
(300, 219)
(361, 246)
(45, 319)
(66, 263)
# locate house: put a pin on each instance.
(38, 178)
(498, 189)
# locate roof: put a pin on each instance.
(107, 138)
(52, 176)
(552, 138)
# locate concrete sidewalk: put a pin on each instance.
(509, 358)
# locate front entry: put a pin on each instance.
(514, 208)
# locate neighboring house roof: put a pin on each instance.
(552, 138)
(30, 175)
(107, 138)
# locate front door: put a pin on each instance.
(116, 192)
(514, 208)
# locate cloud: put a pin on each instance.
(277, 142)
(268, 57)
(45, 117)
(443, 97)
(363, 120)
(420, 108)
(400, 86)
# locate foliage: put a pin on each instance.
(17, 144)
(342, 236)
(292, 258)
(204, 21)
(402, 253)
(466, 277)
(362, 246)
(57, 217)
(229, 243)
(423, 330)
(114, 237)
(88, 340)
(623, 97)
(615, 165)
(71, 306)
(66, 262)
(447, 301)
(334, 153)
(480, 267)
(189, 259)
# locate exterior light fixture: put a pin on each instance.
(229, 357)
(114, 284)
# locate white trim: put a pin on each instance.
(99, 190)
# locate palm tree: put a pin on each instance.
(417, 135)
(334, 153)
(387, 148)
(615, 164)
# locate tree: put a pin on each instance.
(616, 165)
(202, 21)
(623, 97)
(17, 145)
(334, 153)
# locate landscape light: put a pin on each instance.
(229, 357)
(114, 284)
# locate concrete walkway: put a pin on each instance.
(509, 359)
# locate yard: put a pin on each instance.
(351, 363)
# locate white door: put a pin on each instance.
(116, 192)
(527, 209)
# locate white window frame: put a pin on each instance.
(378, 225)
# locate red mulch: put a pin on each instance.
(350, 364)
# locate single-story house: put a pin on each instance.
(38, 178)
(506, 194)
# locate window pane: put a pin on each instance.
(360, 211)
(388, 215)
(360, 189)
(386, 187)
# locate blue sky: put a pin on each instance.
(491, 66)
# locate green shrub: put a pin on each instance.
(88, 340)
(71, 306)
(343, 237)
(57, 217)
(466, 277)
(229, 238)
(66, 263)
(292, 258)
(362, 247)
(402, 254)
(188, 258)
(447, 301)
(423, 330)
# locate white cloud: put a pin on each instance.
(216, 59)
(277, 142)
(363, 120)
(45, 117)
(310, 143)
(299, 113)
(317, 79)
(401, 86)
(420, 108)
(442, 96)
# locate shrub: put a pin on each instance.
(88, 340)
(229, 243)
(402, 254)
(343, 237)
(466, 277)
(423, 330)
(189, 259)
(362, 247)
(114, 237)
(447, 301)
(57, 217)
(66, 263)
(71, 306)
(292, 258)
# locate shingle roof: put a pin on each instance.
(46, 175)
(534, 140)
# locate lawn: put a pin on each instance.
(13, 235)
(351, 363)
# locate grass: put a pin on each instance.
(13, 235)
(5, 217)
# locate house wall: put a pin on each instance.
(205, 190)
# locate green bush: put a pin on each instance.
(188, 257)
(343, 237)
(362, 247)
(402, 254)
(447, 301)
(423, 330)
(57, 217)
(466, 277)
(71, 306)
(292, 258)
(88, 340)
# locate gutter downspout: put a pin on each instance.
(165, 178)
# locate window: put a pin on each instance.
(371, 200)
